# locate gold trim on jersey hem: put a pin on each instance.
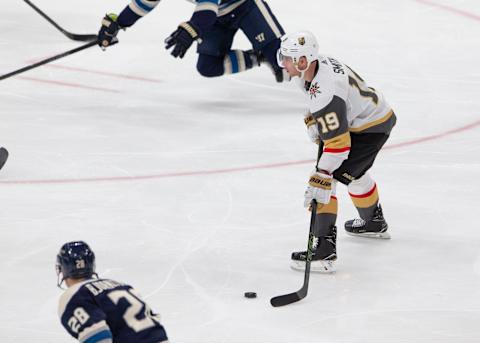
(373, 123)
(338, 142)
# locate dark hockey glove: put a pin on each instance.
(182, 39)
(108, 32)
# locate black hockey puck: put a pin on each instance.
(250, 295)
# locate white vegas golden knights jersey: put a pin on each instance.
(340, 103)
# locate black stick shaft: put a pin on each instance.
(308, 261)
(48, 60)
(319, 154)
(73, 36)
(290, 298)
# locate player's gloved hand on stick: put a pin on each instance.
(108, 32)
(319, 188)
(182, 38)
(312, 128)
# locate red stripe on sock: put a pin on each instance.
(366, 195)
(336, 151)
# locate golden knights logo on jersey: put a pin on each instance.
(314, 90)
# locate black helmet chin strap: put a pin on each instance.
(60, 281)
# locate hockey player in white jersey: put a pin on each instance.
(213, 25)
(352, 121)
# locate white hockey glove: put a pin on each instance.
(312, 128)
(319, 188)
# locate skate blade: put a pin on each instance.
(378, 235)
(322, 267)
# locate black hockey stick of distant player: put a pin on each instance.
(73, 36)
(289, 298)
(48, 60)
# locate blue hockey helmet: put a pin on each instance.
(75, 260)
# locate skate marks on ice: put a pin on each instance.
(414, 325)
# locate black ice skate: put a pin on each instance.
(258, 58)
(374, 228)
(323, 257)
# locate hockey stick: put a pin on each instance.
(73, 36)
(289, 298)
(48, 60)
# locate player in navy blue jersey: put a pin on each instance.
(213, 25)
(95, 310)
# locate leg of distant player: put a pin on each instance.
(216, 57)
(255, 19)
(264, 31)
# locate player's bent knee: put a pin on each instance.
(210, 66)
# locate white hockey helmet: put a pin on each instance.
(296, 45)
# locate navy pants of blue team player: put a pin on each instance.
(256, 20)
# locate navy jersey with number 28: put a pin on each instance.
(103, 311)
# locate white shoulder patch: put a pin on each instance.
(326, 84)
(321, 91)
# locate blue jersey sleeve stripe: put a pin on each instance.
(144, 6)
(100, 336)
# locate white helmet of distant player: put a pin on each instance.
(297, 45)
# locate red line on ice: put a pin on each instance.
(230, 170)
(450, 9)
(98, 72)
(68, 84)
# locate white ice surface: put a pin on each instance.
(194, 244)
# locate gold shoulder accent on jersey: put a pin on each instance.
(373, 123)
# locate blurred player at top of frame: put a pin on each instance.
(95, 310)
(213, 26)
